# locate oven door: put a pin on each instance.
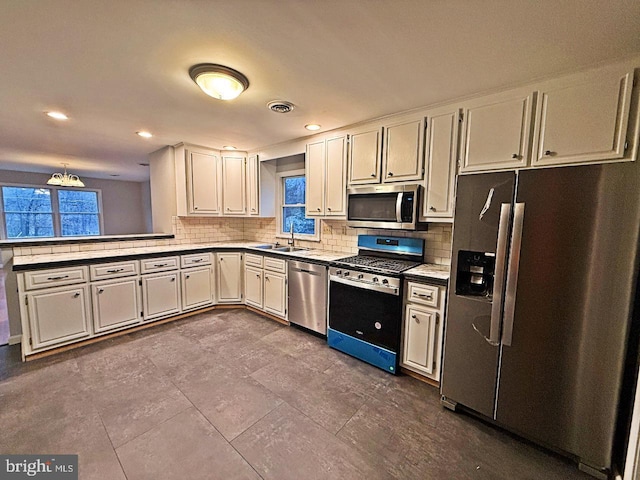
(369, 315)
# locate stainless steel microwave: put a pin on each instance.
(384, 206)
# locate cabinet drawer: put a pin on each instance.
(275, 265)
(252, 259)
(423, 294)
(159, 264)
(112, 270)
(195, 259)
(57, 277)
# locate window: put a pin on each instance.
(292, 207)
(35, 212)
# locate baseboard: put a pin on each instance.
(15, 339)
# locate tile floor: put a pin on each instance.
(231, 395)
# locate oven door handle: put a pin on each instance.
(367, 286)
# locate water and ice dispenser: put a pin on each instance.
(475, 273)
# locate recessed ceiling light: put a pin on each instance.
(57, 115)
(312, 126)
(218, 81)
(144, 134)
(229, 147)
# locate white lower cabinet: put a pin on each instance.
(229, 277)
(423, 329)
(58, 315)
(253, 277)
(161, 295)
(197, 287)
(275, 293)
(116, 304)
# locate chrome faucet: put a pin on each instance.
(291, 240)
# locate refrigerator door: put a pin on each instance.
(470, 363)
(564, 346)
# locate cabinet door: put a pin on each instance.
(160, 295)
(364, 155)
(420, 339)
(58, 315)
(442, 158)
(315, 174)
(253, 185)
(203, 183)
(497, 133)
(275, 294)
(115, 304)
(197, 288)
(583, 122)
(253, 287)
(403, 152)
(336, 175)
(229, 275)
(233, 185)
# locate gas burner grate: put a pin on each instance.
(378, 263)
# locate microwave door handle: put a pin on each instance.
(399, 207)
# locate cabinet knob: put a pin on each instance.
(432, 208)
(266, 278)
(515, 155)
(548, 153)
(318, 208)
(390, 174)
(187, 276)
(173, 279)
(373, 174)
(228, 209)
(415, 318)
(329, 208)
(253, 209)
(257, 275)
(100, 290)
(76, 295)
(195, 208)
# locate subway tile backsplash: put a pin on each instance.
(335, 236)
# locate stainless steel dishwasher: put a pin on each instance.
(308, 295)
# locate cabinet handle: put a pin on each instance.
(115, 270)
(197, 260)
(432, 208)
(100, 290)
(266, 278)
(195, 208)
(158, 265)
(58, 278)
(329, 208)
(548, 153)
(318, 209)
(253, 209)
(257, 275)
(373, 174)
(76, 295)
(187, 276)
(515, 155)
(228, 209)
(390, 174)
(422, 295)
(173, 279)
(415, 317)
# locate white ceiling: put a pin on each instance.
(119, 66)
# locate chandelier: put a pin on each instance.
(65, 179)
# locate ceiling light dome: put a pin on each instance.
(218, 81)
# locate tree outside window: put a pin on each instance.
(293, 207)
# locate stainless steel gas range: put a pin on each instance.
(365, 298)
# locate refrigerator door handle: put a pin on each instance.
(498, 282)
(512, 274)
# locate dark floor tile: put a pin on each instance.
(231, 402)
(287, 445)
(184, 447)
(322, 398)
(129, 391)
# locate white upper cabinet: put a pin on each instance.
(497, 131)
(364, 156)
(583, 119)
(203, 182)
(325, 168)
(234, 185)
(253, 185)
(441, 163)
(402, 154)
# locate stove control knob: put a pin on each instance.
(374, 279)
(385, 281)
(360, 276)
(338, 272)
(346, 274)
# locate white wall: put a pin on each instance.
(126, 205)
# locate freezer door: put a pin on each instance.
(470, 363)
(563, 353)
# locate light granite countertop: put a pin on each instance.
(25, 262)
(430, 271)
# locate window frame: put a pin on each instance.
(280, 206)
(55, 210)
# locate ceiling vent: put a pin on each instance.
(280, 106)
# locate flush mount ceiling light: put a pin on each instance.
(65, 179)
(312, 126)
(144, 134)
(57, 115)
(218, 81)
(229, 147)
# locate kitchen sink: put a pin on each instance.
(290, 249)
(267, 246)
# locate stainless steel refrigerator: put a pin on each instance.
(544, 271)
